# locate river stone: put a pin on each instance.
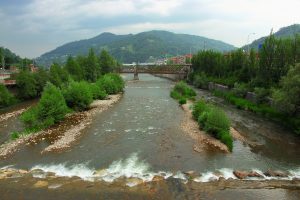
(240, 174)
(254, 174)
(21, 171)
(191, 174)
(133, 182)
(276, 173)
(157, 178)
(40, 184)
(100, 172)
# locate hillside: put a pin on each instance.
(139, 47)
(288, 31)
(9, 57)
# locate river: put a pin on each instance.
(141, 136)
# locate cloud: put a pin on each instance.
(43, 25)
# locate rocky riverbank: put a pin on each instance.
(203, 140)
(6, 116)
(61, 135)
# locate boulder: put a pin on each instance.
(100, 172)
(254, 174)
(40, 184)
(191, 174)
(276, 173)
(240, 174)
(157, 178)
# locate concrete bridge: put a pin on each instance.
(167, 71)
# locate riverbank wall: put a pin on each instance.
(172, 77)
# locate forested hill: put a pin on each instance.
(10, 58)
(285, 32)
(139, 47)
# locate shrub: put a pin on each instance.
(175, 95)
(97, 92)
(51, 109)
(14, 135)
(199, 107)
(217, 121)
(226, 138)
(182, 101)
(78, 95)
(184, 90)
(6, 98)
(26, 85)
(200, 81)
(202, 119)
(111, 83)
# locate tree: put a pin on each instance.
(287, 98)
(51, 109)
(74, 69)
(107, 63)
(26, 85)
(91, 67)
(58, 76)
(6, 98)
(41, 78)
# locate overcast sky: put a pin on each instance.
(33, 27)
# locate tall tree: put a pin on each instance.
(26, 85)
(74, 69)
(107, 62)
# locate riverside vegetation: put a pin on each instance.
(65, 89)
(272, 73)
(210, 118)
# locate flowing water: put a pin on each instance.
(141, 136)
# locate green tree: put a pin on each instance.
(51, 109)
(91, 67)
(107, 62)
(74, 69)
(26, 85)
(287, 97)
(41, 78)
(58, 76)
(6, 98)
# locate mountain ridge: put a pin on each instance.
(136, 47)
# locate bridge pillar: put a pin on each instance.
(136, 74)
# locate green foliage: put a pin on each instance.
(107, 62)
(182, 101)
(51, 109)
(200, 81)
(6, 98)
(15, 135)
(217, 121)
(74, 69)
(97, 91)
(262, 95)
(287, 97)
(26, 84)
(111, 83)
(240, 90)
(175, 95)
(78, 95)
(41, 78)
(199, 107)
(58, 76)
(214, 121)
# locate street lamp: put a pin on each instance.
(248, 41)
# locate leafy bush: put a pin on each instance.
(51, 109)
(214, 121)
(78, 95)
(6, 98)
(97, 92)
(182, 101)
(111, 83)
(26, 85)
(217, 121)
(15, 135)
(175, 95)
(184, 90)
(198, 108)
(200, 81)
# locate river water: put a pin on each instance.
(141, 136)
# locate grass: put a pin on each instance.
(182, 92)
(214, 121)
(261, 109)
